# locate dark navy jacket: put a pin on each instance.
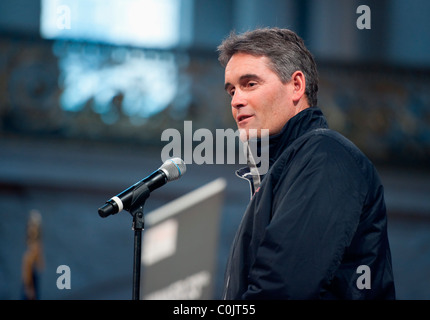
(317, 218)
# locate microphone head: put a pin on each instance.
(174, 168)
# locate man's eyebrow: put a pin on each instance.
(249, 76)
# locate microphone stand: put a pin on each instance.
(140, 195)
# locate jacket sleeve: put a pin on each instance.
(316, 208)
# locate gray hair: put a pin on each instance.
(284, 48)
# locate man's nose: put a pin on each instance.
(238, 100)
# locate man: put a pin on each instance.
(316, 225)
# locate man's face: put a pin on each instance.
(259, 99)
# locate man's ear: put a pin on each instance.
(299, 85)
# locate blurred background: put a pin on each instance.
(88, 87)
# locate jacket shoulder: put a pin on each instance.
(326, 143)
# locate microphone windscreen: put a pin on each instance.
(174, 168)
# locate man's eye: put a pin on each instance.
(251, 84)
(231, 92)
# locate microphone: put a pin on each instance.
(170, 170)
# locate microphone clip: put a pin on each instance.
(140, 194)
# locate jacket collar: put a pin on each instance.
(305, 121)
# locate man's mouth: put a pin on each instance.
(243, 117)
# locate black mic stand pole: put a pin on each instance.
(136, 210)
